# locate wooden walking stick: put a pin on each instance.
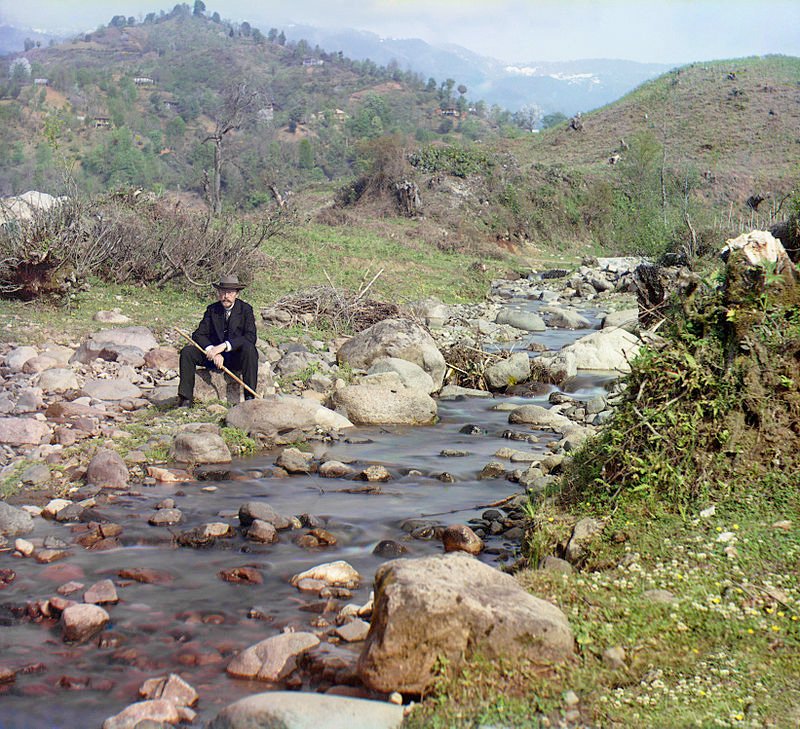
(223, 368)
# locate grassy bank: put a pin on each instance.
(725, 651)
(307, 256)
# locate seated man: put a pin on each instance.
(228, 335)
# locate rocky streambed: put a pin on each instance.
(187, 585)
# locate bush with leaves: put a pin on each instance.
(711, 410)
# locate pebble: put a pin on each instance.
(24, 547)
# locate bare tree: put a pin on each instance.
(236, 106)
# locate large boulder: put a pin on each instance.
(556, 367)
(293, 363)
(200, 448)
(510, 371)
(127, 345)
(374, 405)
(759, 248)
(15, 360)
(26, 205)
(540, 418)
(58, 379)
(399, 338)
(432, 311)
(411, 375)
(607, 349)
(451, 607)
(527, 321)
(107, 470)
(628, 319)
(296, 710)
(272, 659)
(275, 413)
(561, 318)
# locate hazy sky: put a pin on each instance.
(664, 31)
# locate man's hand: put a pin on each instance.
(214, 354)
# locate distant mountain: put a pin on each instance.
(12, 40)
(565, 86)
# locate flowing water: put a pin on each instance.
(194, 624)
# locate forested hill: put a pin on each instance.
(132, 102)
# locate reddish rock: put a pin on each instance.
(242, 576)
(23, 431)
(7, 576)
(66, 436)
(59, 604)
(61, 573)
(157, 710)
(460, 538)
(324, 537)
(110, 529)
(169, 475)
(101, 593)
(107, 470)
(194, 654)
(82, 621)
(146, 575)
(46, 556)
(162, 359)
(105, 544)
(7, 675)
(272, 659)
(88, 539)
(73, 410)
(69, 587)
(307, 541)
(39, 364)
(262, 531)
(172, 688)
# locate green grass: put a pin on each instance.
(412, 269)
(298, 260)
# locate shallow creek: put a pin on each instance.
(194, 624)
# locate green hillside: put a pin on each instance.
(133, 104)
(736, 121)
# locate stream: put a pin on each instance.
(194, 624)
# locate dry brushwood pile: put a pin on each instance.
(338, 309)
(467, 365)
(716, 408)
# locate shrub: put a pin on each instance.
(712, 409)
(126, 237)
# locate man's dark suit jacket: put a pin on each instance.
(241, 326)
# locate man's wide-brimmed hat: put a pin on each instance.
(229, 282)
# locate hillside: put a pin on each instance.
(735, 122)
(681, 162)
(306, 108)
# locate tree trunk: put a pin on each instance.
(216, 191)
